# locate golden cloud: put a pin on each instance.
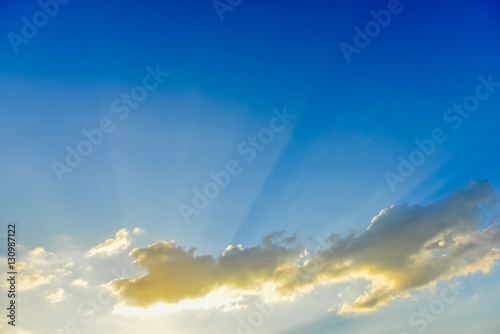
(28, 282)
(55, 295)
(39, 252)
(175, 274)
(80, 283)
(40, 268)
(405, 248)
(112, 246)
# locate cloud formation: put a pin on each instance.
(404, 248)
(55, 295)
(138, 231)
(31, 271)
(80, 283)
(40, 268)
(112, 246)
(175, 274)
(410, 247)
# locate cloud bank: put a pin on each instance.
(404, 248)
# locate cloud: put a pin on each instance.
(410, 247)
(64, 271)
(28, 282)
(404, 248)
(55, 295)
(138, 231)
(176, 274)
(32, 274)
(80, 282)
(112, 246)
(40, 267)
(31, 277)
(39, 252)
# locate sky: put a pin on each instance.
(237, 166)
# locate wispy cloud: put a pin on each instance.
(55, 295)
(34, 280)
(33, 270)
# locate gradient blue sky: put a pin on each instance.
(324, 173)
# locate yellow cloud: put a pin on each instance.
(28, 282)
(80, 282)
(41, 268)
(411, 247)
(39, 252)
(112, 246)
(176, 274)
(55, 295)
(405, 248)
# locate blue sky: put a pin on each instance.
(324, 173)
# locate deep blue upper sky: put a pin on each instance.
(325, 172)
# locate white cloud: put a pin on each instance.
(138, 231)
